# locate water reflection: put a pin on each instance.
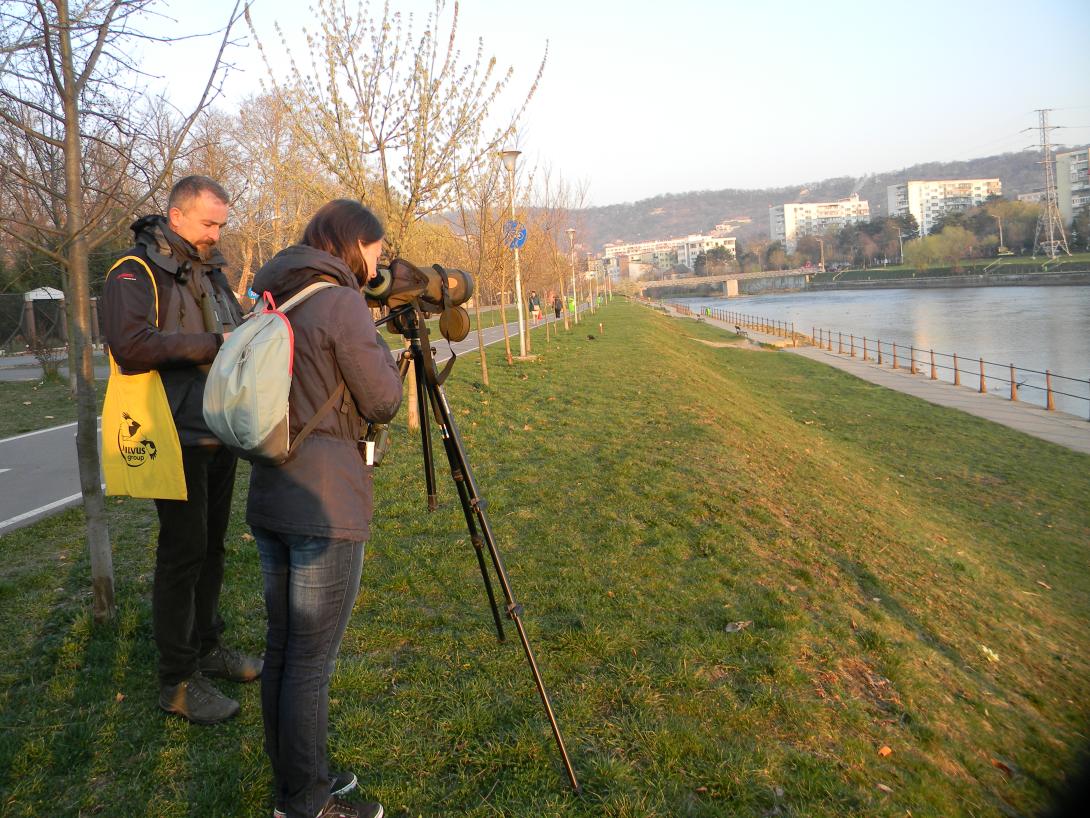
(1035, 328)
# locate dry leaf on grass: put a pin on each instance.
(885, 751)
(734, 627)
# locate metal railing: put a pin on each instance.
(981, 374)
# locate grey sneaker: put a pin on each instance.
(339, 784)
(336, 808)
(197, 700)
(230, 664)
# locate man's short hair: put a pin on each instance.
(191, 187)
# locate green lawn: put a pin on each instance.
(26, 406)
(745, 575)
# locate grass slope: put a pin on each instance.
(744, 574)
(31, 405)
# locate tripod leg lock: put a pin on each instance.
(514, 610)
(479, 503)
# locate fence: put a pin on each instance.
(971, 371)
(26, 325)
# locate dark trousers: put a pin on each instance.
(310, 586)
(189, 563)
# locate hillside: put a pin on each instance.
(676, 214)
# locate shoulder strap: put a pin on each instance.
(338, 393)
(147, 269)
(304, 294)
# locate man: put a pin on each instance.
(177, 327)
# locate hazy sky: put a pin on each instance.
(650, 96)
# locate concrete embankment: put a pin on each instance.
(1018, 280)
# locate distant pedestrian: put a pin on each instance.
(558, 305)
(535, 305)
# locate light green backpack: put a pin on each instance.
(246, 395)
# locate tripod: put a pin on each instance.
(408, 321)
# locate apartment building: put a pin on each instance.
(1072, 183)
(664, 253)
(690, 247)
(789, 222)
(927, 201)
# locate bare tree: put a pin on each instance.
(556, 201)
(74, 141)
(481, 215)
(392, 116)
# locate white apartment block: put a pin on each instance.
(929, 200)
(639, 248)
(690, 247)
(662, 253)
(788, 222)
(1072, 183)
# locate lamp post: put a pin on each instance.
(510, 159)
(821, 264)
(571, 257)
(1001, 248)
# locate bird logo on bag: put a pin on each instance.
(135, 451)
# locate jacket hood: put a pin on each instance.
(294, 267)
(169, 250)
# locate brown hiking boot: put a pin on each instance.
(229, 664)
(197, 700)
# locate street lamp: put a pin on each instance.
(571, 256)
(510, 159)
(821, 264)
(1001, 250)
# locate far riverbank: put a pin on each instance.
(977, 280)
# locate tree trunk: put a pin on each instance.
(480, 333)
(506, 335)
(79, 335)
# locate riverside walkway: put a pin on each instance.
(1056, 427)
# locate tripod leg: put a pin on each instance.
(474, 508)
(425, 431)
(474, 535)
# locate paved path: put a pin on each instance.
(1056, 427)
(38, 474)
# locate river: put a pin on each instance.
(1035, 328)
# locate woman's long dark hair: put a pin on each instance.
(338, 227)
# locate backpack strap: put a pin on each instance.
(304, 294)
(331, 401)
(338, 393)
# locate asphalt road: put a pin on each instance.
(38, 473)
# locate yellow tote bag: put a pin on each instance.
(141, 455)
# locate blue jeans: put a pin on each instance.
(310, 586)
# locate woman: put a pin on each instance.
(311, 515)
